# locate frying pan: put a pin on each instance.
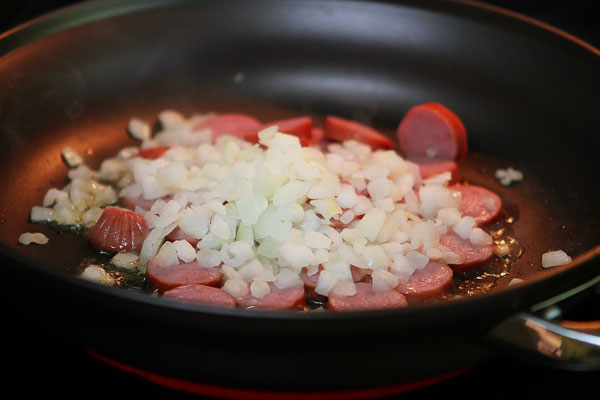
(527, 96)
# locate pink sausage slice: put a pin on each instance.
(431, 168)
(201, 294)
(367, 299)
(432, 131)
(479, 203)
(278, 299)
(300, 127)
(342, 129)
(469, 254)
(427, 283)
(178, 234)
(238, 125)
(169, 277)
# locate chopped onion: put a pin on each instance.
(555, 258)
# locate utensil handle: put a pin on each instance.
(543, 338)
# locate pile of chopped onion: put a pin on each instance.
(267, 212)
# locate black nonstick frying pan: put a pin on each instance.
(528, 96)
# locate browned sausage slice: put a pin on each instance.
(178, 234)
(277, 299)
(479, 203)
(342, 129)
(432, 131)
(427, 283)
(469, 254)
(201, 294)
(366, 299)
(118, 230)
(165, 278)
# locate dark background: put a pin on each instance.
(42, 364)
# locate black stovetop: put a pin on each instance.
(40, 363)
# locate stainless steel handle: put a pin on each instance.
(541, 337)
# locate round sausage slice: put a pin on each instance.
(427, 283)
(277, 299)
(238, 125)
(431, 131)
(340, 129)
(300, 127)
(479, 203)
(470, 255)
(201, 294)
(169, 277)
(178, 234)
(366, 299)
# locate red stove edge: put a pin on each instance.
(221, 392)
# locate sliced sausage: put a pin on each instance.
(470, 255)
(277, 299)
(427, 283)
(201, 294)
(169, 277)
(131, 202)
(366, 299)
(178, 234)
(300, 127)
(431, 168)
(153, 153)
(479, 203)
(238, 125)
(118, 230)
(432, 131)
(342, 129)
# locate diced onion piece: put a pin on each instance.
(347, 197)
(185, 251)
(326, 282)
(480, 237)
(297, 255)
(287, 278)
(28, 238)
(463, 227)
(555, 258)
(384, 281)
(71, 157)
(139, 129)
(316, 240)
(94, 273)
(259, 289)
(167, 255)
(236, 287)
(126, 260)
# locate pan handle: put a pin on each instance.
(541, 337)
